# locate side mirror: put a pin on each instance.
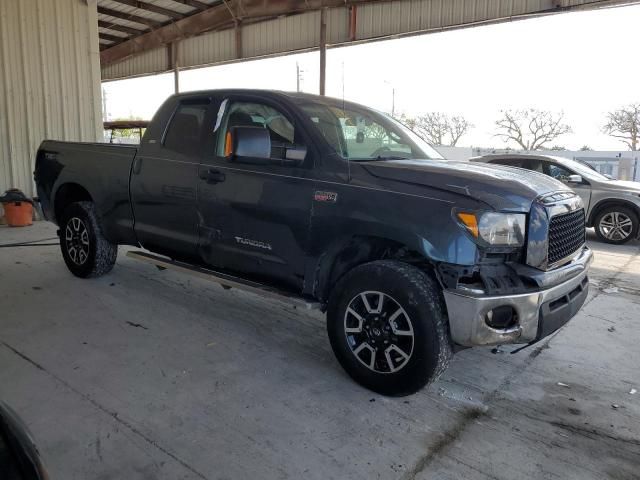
(296, 154)
(252, 144)
(574, 179)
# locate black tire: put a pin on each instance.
(86, 254)
(608, 214)
(420, 296)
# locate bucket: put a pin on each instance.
(18, 209)
(18, 214)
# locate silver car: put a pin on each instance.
(612, 206)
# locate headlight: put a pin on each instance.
(495, 229)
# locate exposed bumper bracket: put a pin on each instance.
(534, 310)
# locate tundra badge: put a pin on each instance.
(253, 243)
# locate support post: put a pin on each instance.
(323, 50)
(176, 68)
(353, 22)
(238, 32)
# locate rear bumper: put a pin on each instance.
(538, 313)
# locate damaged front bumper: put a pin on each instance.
(536, 314)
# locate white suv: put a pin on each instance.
(612, 206)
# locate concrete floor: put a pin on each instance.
(152, 375)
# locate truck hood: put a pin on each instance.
(503, 188)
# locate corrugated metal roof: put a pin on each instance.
(300, 30)
(49, 81)
(142, 16)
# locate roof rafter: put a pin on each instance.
(150, 7)
(129, 16)
(218, 16)
(110, 38)
(119, 28)
(193, 3)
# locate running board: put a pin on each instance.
(224, 279)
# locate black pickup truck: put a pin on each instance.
(337, 205)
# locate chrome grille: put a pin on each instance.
(566, 235)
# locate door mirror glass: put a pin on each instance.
(574, 179)
(296, 154)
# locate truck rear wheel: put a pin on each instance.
(84, 249)
(388, 327)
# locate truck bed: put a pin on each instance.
(62, 167)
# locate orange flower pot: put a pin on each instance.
(18, 214)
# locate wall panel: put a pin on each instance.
(49, 81)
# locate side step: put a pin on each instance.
(224, 279)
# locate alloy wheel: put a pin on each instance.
(379, 332)
(616, 226)
(77, 240)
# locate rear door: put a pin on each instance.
(164, 180)
(255, 217)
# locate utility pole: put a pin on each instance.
(297, 77)
(105, 115)
(393, 101)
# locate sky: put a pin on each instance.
(583, 64)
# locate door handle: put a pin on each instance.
(212, 176)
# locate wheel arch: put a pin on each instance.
(611, 202)
(351, 251)
(66, 194)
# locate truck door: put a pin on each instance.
(164, 178)
(255, 215)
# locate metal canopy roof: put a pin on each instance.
(122, 20)
(153, 36)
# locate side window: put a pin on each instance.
(535, 165)
(509, 162)
(245, 114)
(185, 130)
(558, 172)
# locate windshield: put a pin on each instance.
(583, 170)
(361, 134)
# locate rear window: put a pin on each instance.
(185, 130)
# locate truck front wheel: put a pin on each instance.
(388, 327)
(84, 249)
